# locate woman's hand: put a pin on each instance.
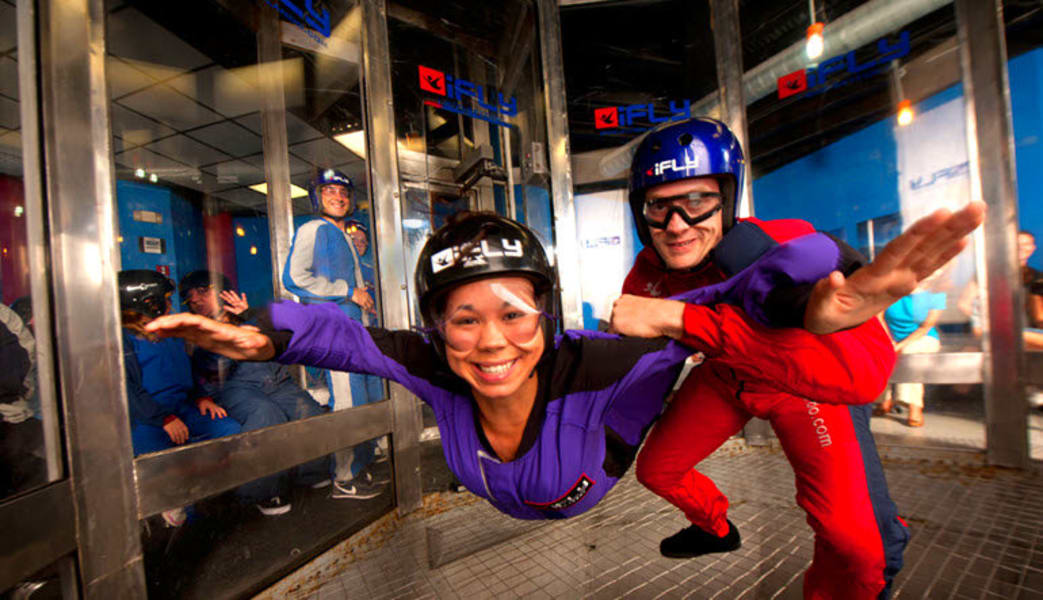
(361, 297)
(207, 405)
(837, 303)
(238, 343)
(177, 430)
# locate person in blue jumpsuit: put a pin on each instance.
(256, 394)
(324, 266)
(166, 408)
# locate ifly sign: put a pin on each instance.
(305, 15)
(456, 90)
(615, 119)
(842, 70)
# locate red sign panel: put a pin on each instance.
(606, 117)
(432, 80)
(794, 83)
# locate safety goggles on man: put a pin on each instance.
(335, 190)
(693, 207)
(506, 308)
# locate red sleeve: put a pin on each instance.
(846, 367)
(638, 278)
(783, 230)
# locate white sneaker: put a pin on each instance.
(355, 489)
(274, 506)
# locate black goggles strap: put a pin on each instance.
(684, 216)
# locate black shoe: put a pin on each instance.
(693, 541)
(372, 476)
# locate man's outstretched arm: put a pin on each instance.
(838, 303)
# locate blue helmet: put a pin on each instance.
(699, 147)
(326, 177)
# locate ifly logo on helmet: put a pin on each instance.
(842, 70)
(459, 89)
(661, 167)
(473, 255)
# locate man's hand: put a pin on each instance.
(361, 297)
(177, 431)
(207, 405)
(235, 303)
(239, 343)
(837, 303)
(647, 317)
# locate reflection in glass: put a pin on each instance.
(23, 463)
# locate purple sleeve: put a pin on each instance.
(800, 261)
(324, 336)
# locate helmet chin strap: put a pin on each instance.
(684, 217)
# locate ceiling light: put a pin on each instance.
(153, 178)
(239, 231)
(295, 191)
(815, 44)
(905, 113)
(253, 249)
(19, 210)
(354, 141)
(139, 173)
(413, 223)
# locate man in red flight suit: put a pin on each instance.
(684, 185)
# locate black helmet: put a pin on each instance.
(202, 278)
(476, 245)
(144, 291)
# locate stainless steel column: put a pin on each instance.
(566, 240)
(276, 150)
(79, 183)
(727, 43)
(990, 147)
(387, 218)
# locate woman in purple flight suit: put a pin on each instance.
(541, 426)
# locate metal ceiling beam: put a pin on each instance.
(861, 26)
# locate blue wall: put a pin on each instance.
(856, 178)
(253, 271)
(132, 196)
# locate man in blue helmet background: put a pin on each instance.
(685, 182)
(324, 266)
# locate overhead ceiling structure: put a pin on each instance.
(639, 51)
(185, 102)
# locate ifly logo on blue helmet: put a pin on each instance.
(331, 177)
(842, 70)
(458, 90)
(661, 167)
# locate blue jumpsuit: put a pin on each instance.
(323, 267)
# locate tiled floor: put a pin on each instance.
(977, 533)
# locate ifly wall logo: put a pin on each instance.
(304, 14)
(636, 118)
(842, 70)
(457, 90)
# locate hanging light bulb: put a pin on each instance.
(905, 113)
(816, 43)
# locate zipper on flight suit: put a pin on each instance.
(483, 454)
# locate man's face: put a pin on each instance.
(683, 246)
(203, 301)
(1026, 246)
(336, 200)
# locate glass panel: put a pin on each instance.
(23, 461)
(469, 114)
(647, 63)
(189, 102)
(835, 148)
(1024, 70)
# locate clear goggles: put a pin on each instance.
(693, 207)
(492, 314)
